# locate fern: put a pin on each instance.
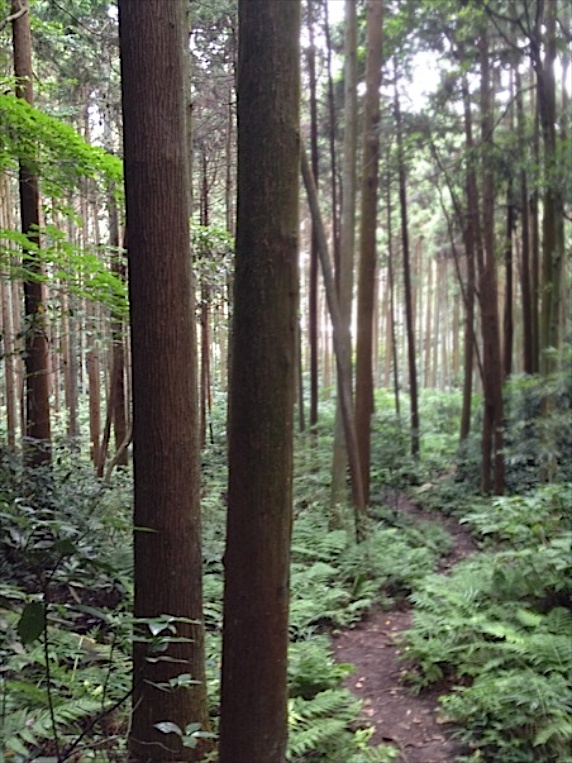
(25, 728)
(320, 729)
(524, 714)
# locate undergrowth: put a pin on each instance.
(500, 627)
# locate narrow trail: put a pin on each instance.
(410, 722)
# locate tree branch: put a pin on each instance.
(13, 17)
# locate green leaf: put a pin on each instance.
(31, 624)
(65, 547)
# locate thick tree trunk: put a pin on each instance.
(367, 261)
(255, 633)
(37, 445)
(168, 560)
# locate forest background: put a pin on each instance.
(432, 340)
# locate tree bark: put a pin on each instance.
(367, 261)
(508, 325)
(168, 560)
(341, 343)
(493, 436)
(313, 294)
(119, 409)
(37, 441)
(409, 317)
(8, 335)
(254, 692)
(391, 313)
(525, 275)
(344, 279)
(552, 220)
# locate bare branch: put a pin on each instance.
(13, 17)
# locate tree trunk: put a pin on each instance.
(535, 243)
(340, 344)
(336, 236)
(8, 334)
(119, 409)
(168, 560)
(391, 286)
(254, 692)
(409, 317)
(344, 279)
(313, 295)
(94, 383)
(492, 438)
(509, 290)
(525, 279)
(367, 261)
(37, 445)
(552, 220)
(429, 323)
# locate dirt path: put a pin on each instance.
(410, 722)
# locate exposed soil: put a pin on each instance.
(410, 722)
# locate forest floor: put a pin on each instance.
(411, 722)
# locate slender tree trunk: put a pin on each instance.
(509, 289)
(410, 320)
(552, 221)
(455, 343)
(429, 323)
(313, 296)
(391, 285)
(8, 335)
(37, 450)
(94, 382)
(205, 372)
(254, 694)
(492, 440)
(340, 345)
(437, 332)
(344, 278)
(168, 559)
(119, 410)
(300, 380)
(525, 279)
(336, 236)
(367, 261)
(475, 262)
(535, 244)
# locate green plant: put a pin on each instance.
(500, 625)
(519, 712)
(523, 520)
(320, 730)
